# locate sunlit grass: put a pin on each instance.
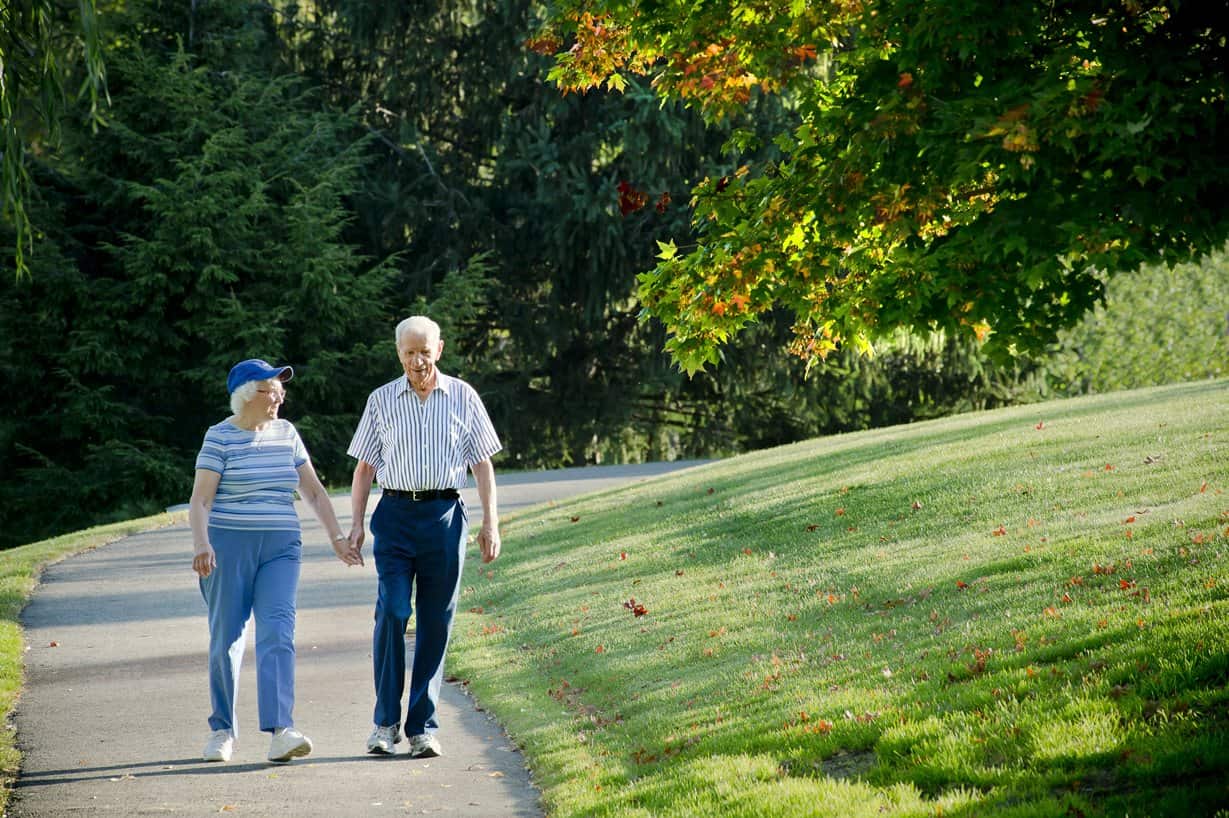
(1021, 612)
(19, 571)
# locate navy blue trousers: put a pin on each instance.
(419, 549)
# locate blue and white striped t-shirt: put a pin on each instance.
(259, 475)
(417, 445)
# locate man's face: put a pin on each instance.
(418, 354)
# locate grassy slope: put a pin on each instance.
(1020, 612)
(19, 572)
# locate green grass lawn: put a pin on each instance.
(1022, 612)
(19, 572)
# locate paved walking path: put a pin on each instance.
(112, 718)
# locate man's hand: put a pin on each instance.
(357, 534)
(488, 541)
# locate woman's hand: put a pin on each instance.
(204, 561)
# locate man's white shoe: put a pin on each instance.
(382, 739)
(425, 745)
(288, 743)
(219, 747)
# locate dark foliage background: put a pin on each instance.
(288, 182)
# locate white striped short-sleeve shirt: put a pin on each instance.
(259, 475)
(418, 445)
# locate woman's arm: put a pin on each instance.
(204, 489)
(314, 495)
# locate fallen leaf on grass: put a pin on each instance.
(635, 607)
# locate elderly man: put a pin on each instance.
(417, 436)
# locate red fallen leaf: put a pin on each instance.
(600, 649)
(1109, 466)
(747, 551)
(840, 512)
(1067, 598)
(1203, 487)
(906, 79)
(961, 584)
(916, 505)
(477, 609)
(663, 202)
(53, 645)
(1040, 425)
(1130, 519)
(1125, 584)
(812, 527)
(1000, 531)
(622, 555)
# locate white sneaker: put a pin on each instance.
(288, 743)
(219, 747)
(382, 739)
(425, 745)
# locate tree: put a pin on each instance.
(37, 50)
(205, 225)
(968, 166)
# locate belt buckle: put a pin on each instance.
(417, 495)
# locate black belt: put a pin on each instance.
(425, 494)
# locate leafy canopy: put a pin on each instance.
(968, 166)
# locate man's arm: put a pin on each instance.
(360, 490)
(488, 537)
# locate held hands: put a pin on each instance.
(346, 552)
(488, 541)
(203, 560)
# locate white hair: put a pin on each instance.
(245, 392)
(421, 325)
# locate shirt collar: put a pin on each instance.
(442, 382)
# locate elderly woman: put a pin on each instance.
(247, 552)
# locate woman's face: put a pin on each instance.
(269, 397)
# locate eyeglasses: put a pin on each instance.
(274, 394)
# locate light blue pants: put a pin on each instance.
(257, 573)
(419, 548)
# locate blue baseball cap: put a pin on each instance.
(254, 369)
